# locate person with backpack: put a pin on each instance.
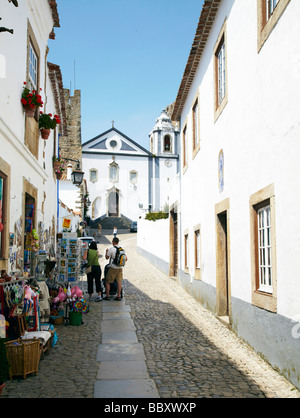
(117, 257)
(92, 256)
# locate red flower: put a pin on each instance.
(24, 101)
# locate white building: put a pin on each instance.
(28, 187)
(164, 166)
(123, 178)
(237, 216)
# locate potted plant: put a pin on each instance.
(58, 166)
(46, 123)
(30, 100)
(4, 366)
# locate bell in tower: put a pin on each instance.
(163, 137)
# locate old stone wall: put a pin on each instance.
(70, 145)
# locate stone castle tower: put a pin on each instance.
(70, 145)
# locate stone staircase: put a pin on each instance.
(109, 223)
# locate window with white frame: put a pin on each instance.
(268, 14)
(114, 172)
(197, 250)
(186, 252)
(93, 175)
(133, 176)
(184, 146)
(196, 124)
(264, 249)
(221, 72)
(33, 67)
(270, 5)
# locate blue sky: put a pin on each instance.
(129, 57)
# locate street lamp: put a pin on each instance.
(77, 175)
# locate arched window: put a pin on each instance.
(167, 143)
(114, 172)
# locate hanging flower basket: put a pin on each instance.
(30, 101)
(29, 112)
(58, 167)
(59, 175)
(46, 123)
(45, 133)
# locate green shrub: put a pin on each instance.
(155, 216)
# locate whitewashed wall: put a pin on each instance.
(65, 212)
(153, 242)
(130, 197)
(258, 132)
(13, 62)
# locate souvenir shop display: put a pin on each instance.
(67, 302)
(40, 270)
(69, 258)
(24, 303)
(33, 301)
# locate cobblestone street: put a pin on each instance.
(189, 353)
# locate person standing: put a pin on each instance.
(114, 272)
(115, 231)
(92, 256)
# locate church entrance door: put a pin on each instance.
(113, 204)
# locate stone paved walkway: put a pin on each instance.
(189, 353)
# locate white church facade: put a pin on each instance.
(126, 180)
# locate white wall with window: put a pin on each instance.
(27, 170)
(256, 126)
(264, 250)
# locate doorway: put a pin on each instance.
(173, 243)
(113, 204)
(29, 227)
(223, 261)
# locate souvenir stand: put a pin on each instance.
(68, 301)
(25, 299)
(25, 339)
